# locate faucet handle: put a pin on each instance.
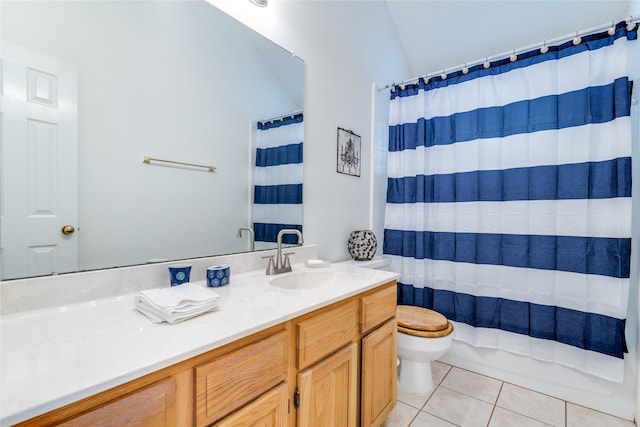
(271, 267)
(286, 263)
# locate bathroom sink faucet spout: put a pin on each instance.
(252, 239)
(282, 263)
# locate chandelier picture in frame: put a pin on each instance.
(349, 153)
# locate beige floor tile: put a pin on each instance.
(465, 398)
(532, 404)
(427, 420)
(401, 415)
(458, 408)
(415, 400)
(503, 418)
(472, 384)
(579, 416)
(439, 370)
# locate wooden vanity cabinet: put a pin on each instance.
(233, 382)
(346, 356)
(333, 366)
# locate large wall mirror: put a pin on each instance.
(91, 87)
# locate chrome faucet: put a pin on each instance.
(282, 263)
(252, 238)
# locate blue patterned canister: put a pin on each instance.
(218, 275)
(179, 274)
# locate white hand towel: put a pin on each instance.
(177, 303)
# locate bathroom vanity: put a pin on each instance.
(309, 356)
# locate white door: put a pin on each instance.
(38, 166)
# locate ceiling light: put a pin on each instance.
(261, 3)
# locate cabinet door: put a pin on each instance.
(151, 406)
(328, 391)
(269, 410)
(379, 372)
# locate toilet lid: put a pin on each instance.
(427, 334)
(420, 319)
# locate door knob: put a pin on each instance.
(68, 230)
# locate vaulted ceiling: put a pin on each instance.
(437, 34)
(395, 40)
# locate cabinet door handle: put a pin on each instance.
(296, 398)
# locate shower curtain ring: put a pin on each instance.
(545, 48)
(577, 39)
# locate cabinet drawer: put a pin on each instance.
(326, 332)
(377, 307)
(151, 406)
(233, 379)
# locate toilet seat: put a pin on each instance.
(422, 322)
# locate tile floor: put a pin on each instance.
(464, 398)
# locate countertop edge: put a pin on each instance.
(26, 413)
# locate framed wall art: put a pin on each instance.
(349, 154)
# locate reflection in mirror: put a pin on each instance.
(278, 179)
(88, 89)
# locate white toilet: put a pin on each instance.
(423, 335)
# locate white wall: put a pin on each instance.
(346, 46)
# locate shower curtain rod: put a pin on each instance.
(274, 119)
(630, 21)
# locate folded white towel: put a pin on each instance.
(176, 303)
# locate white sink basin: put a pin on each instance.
(309, 280)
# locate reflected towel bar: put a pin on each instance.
(148, 160)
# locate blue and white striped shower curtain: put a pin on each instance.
(278, 179)
(509, 201)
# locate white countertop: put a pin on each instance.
(55, 356)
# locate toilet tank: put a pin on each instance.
(379, 262)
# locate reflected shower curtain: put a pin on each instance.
(509, 201)
(278, 179)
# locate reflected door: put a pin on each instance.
(38, 110)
